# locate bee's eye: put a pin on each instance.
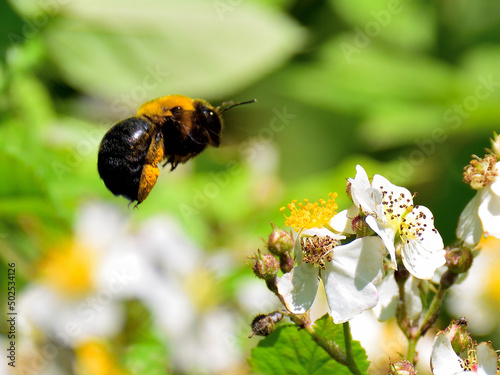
(208, 112)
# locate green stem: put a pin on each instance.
(412, 349)
(330, 347)
(401, 311)
(351, 363)
(433, 312)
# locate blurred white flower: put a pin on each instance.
(76, 296)
(390, 212)
(184, 299)
(477, 295)
(444, 360)
(482, 213)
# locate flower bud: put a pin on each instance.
(264, 325)
(402, 367)
(458, 335)
(265, 266)
(459, 259)
(280, 242)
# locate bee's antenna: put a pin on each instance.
(231, 104)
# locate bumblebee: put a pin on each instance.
(172, 128)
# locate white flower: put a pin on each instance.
(482, 213)
(184, 300)
(82, 282)
(393, 216)
(444, 360)
(348, 273)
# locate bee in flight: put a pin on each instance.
(172, 128)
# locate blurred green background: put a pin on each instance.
(408, 89)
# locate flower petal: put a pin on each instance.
(444, 360)
(495, 186)
(424, 254)
(350, 276)
(422, 261)
(392, 192)
(413, 300)
(386, 233)
(322, 232)
(299, 287)
(388, 299)
(487, 359)
(489, 212)
(342, 222)
(363, 194)
(297, 247)
(470, 228)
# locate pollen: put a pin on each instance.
(412, 227)
(396, 207)
(309, 215)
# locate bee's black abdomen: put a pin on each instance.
(122, 154)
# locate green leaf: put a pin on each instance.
(130, 53)
(290, 350)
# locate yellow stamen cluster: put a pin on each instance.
(69, 269)
(94, 358)
(309, 215)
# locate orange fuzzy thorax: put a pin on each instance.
(162, 106)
